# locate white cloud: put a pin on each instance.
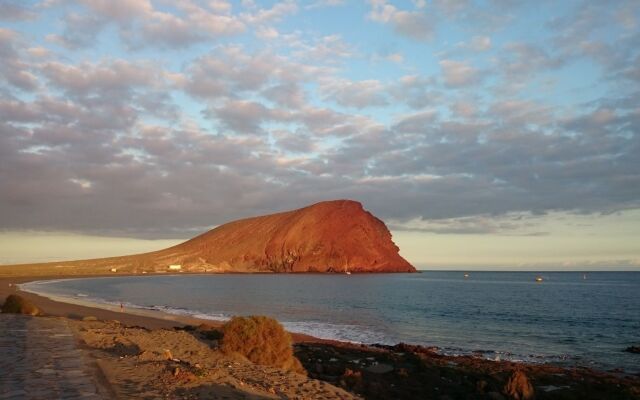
(276, 13)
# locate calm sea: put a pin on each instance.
(568, 319)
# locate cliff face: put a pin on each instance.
(332, 236)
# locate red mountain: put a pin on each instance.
(331, 236)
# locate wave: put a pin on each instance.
(341, 332)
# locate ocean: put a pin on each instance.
(570, 319)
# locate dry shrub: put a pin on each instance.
(262, 340)
(519, 387)
(15, 304)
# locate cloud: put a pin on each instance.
(412, 24)
(14, 10)
(142, 24)
(512, 224)
(166, 135)
(326, 3)
(114, 76)
(459, 74)
(361, 94)
(229, 69)
(241, 116)
(288, 94)
(16, 111)
(13, 69)
(120, 10)
(395, 57)
(415, 91)
(275, 13)
(416, 122)
(522, 60)
(464, 109)
(326, 49)
(480, 43)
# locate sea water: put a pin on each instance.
(571, 318)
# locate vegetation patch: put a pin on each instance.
(262, 340)
(15, 304)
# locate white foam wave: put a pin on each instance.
(342, 332)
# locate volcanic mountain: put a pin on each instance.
(332, 236)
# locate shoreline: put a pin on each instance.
(150, 319)
(77, 308)
(401, 371)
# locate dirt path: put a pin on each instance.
(41, 360)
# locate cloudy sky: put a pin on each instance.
(484, 133)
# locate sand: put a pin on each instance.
(163, 363)
(74, 311)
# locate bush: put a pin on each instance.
(15, 304)
(262, 340)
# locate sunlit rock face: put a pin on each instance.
(331, 236)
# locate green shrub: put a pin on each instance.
(15, 304)
(262, 340)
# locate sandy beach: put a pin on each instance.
(149, 319)
(129, 348)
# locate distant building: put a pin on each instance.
(114, 269)
(175, 267)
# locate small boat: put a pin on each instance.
(539, 279)
(348, 273)
(466, 276)
(584, 277)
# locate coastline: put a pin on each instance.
(372, 371)
(150, 319)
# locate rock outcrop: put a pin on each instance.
(333, 236)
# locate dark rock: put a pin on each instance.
(633, 349)
(481, 386)
(495, 396)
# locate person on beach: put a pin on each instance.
(121, 307)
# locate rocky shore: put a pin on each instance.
(415, 372)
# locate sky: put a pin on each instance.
(486, 134)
